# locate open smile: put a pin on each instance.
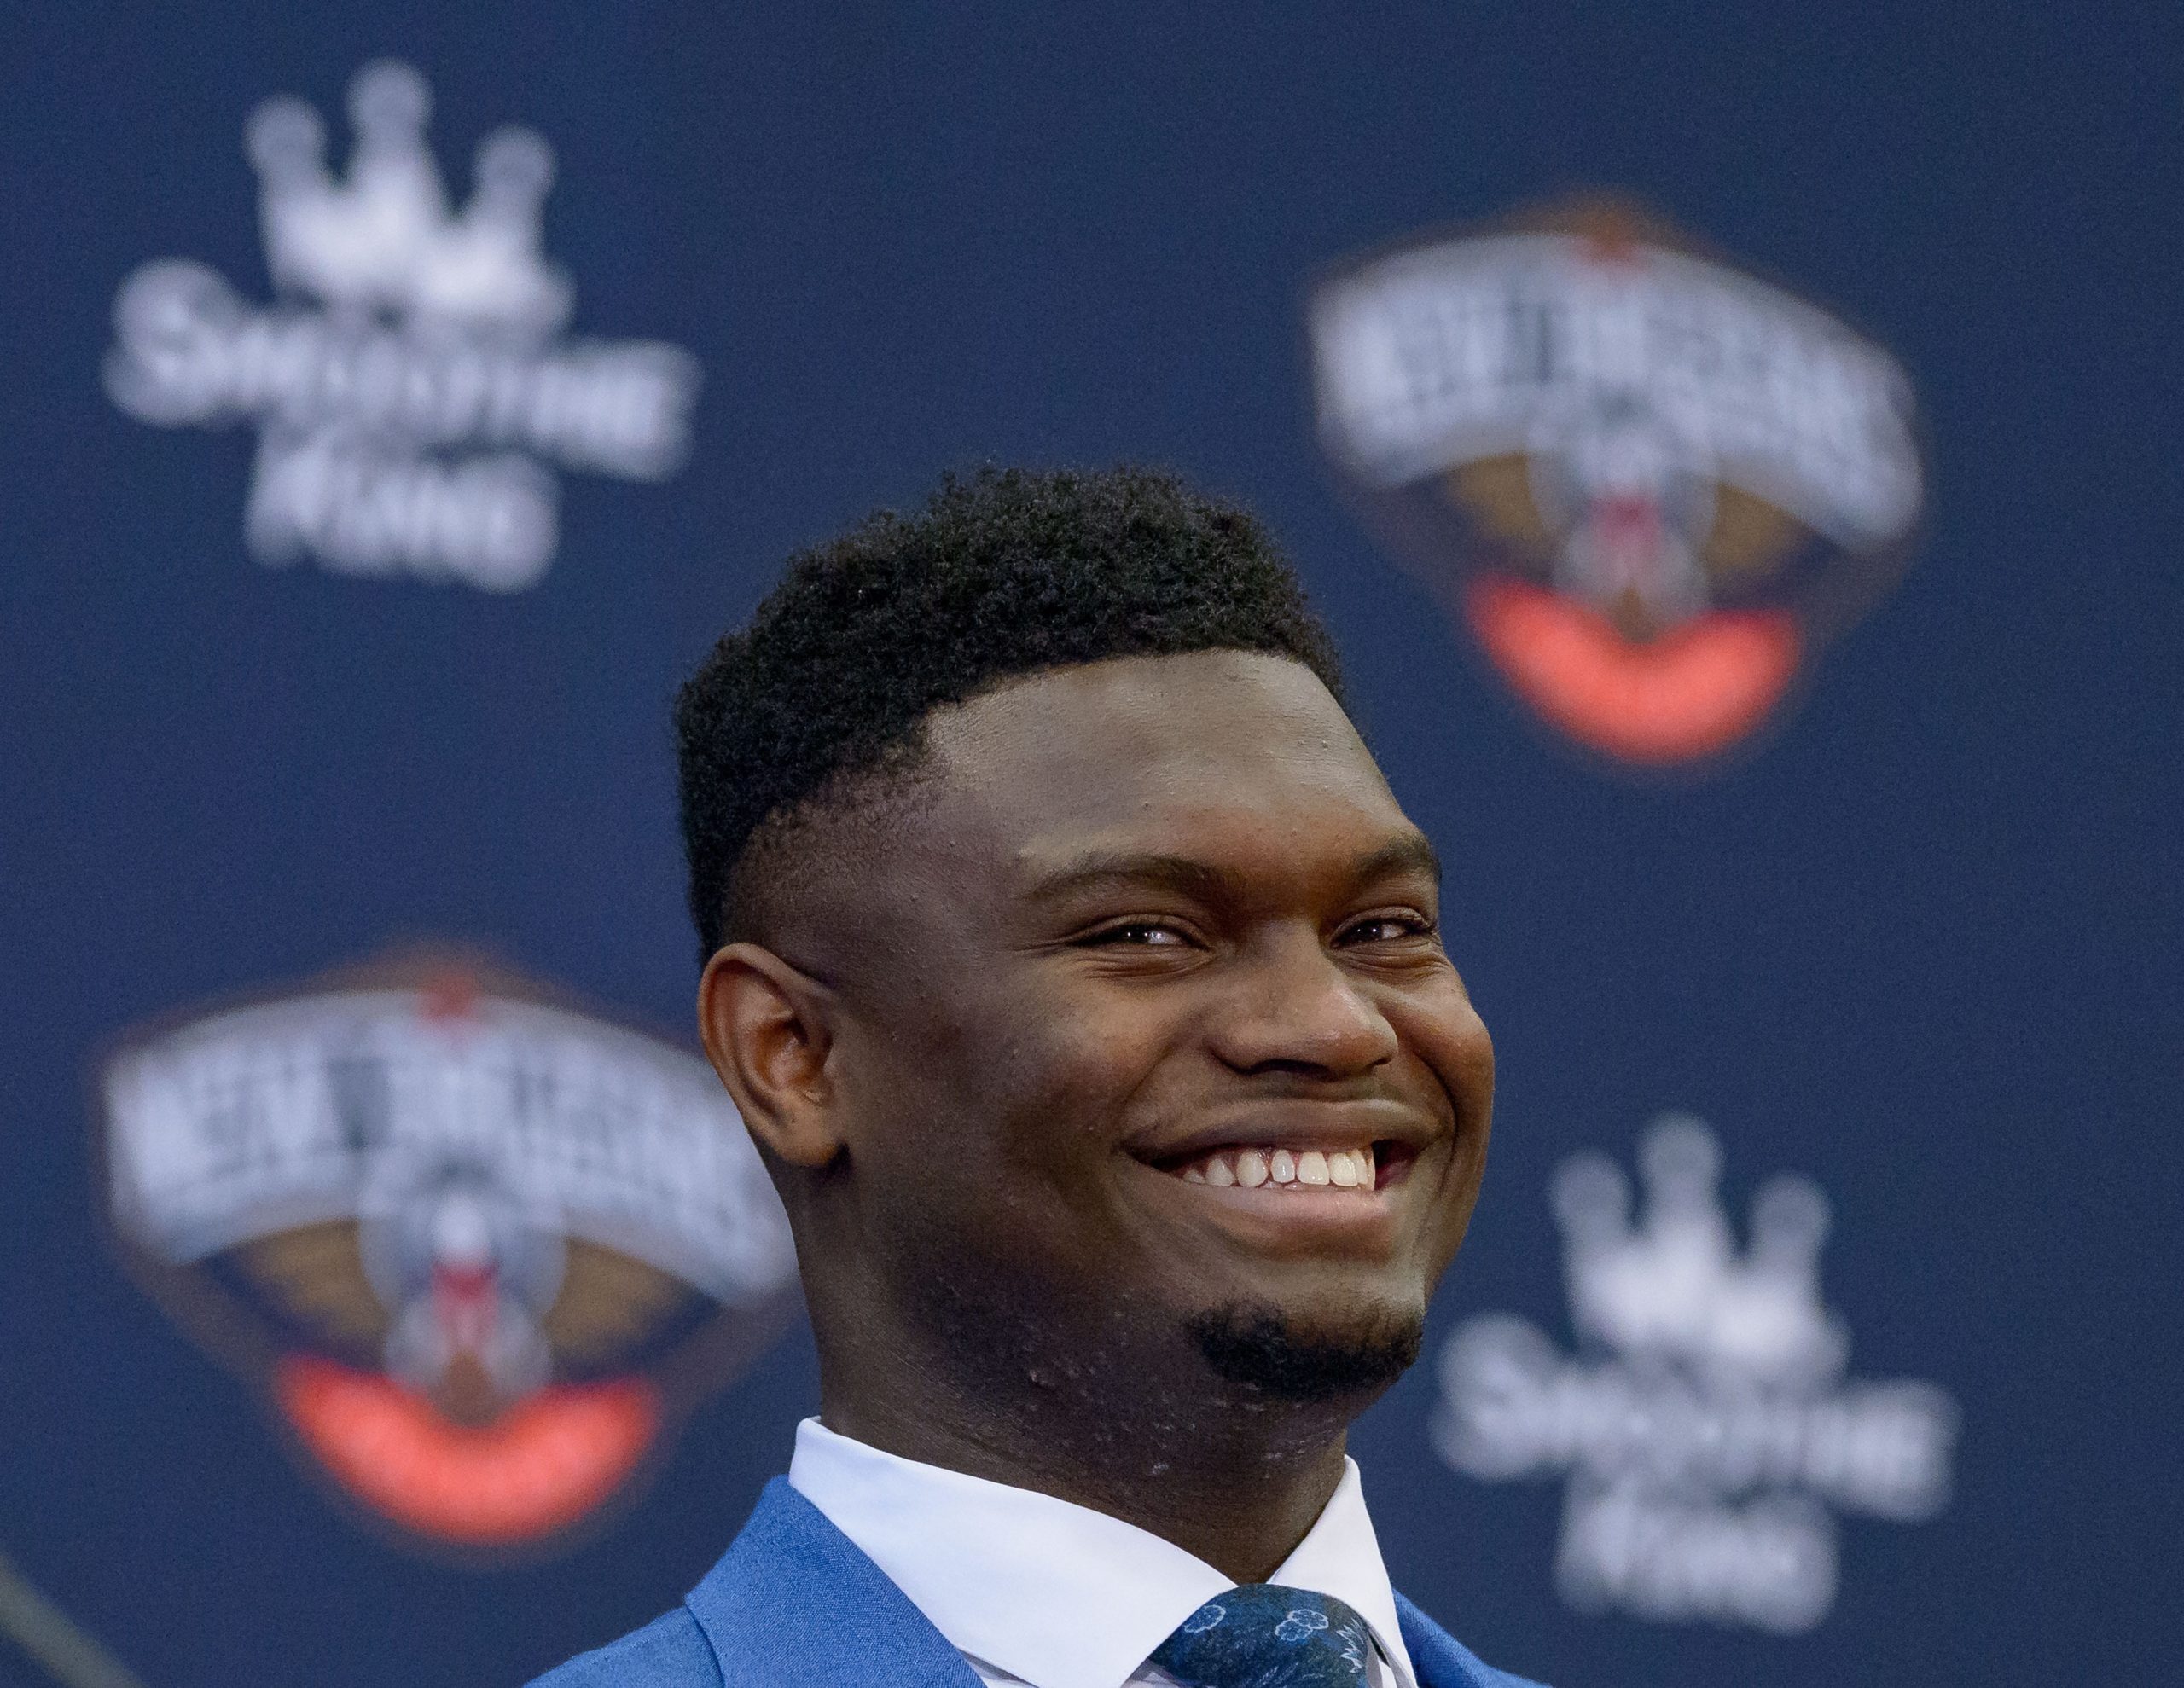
(1296, 1193)
(1302, 1169)
(1297, 1162)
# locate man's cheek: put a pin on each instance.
(1081, 1074)
(1447, 1033)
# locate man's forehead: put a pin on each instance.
(1135, 720)
(1147, 754)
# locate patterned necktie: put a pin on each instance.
(1265, 1636)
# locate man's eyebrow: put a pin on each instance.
(1099, 870)
(1411, 853)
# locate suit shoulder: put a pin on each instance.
(668, 1652)
(1444, 1661)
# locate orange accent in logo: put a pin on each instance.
(1690, 692)
(542, 1465)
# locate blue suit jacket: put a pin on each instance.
(795, 1601)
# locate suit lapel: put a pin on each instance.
(794, 1601)
(1442, 1661)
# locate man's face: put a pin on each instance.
(1148, 1023)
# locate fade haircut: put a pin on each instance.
(823, 698)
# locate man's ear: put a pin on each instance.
(767, 1030)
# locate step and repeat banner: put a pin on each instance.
(1741, 469)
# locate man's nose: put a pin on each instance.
(1292, 1005)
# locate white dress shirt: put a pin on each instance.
(1034, 1590)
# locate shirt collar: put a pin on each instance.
(1057, 1593)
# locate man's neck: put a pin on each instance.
(1238, 1488)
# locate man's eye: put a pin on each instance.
(1387, 929)
(1149, 934)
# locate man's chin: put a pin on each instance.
(1284, 1356)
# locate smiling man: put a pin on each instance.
(1083, 985)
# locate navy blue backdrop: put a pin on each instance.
(1920, 943)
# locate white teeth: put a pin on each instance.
(1286, 1168)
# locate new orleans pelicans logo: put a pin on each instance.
(1650, 484)
(480, 1248)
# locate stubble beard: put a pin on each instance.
(1260, 1349)
(1137, 1387)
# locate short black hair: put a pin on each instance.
(1002, 574)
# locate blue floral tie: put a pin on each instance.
(1265, 1636)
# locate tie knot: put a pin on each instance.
(1263, 1635)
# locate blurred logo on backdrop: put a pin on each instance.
(1705, 1428)
(480, 1248)
(1651, 484)
(412, 383)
